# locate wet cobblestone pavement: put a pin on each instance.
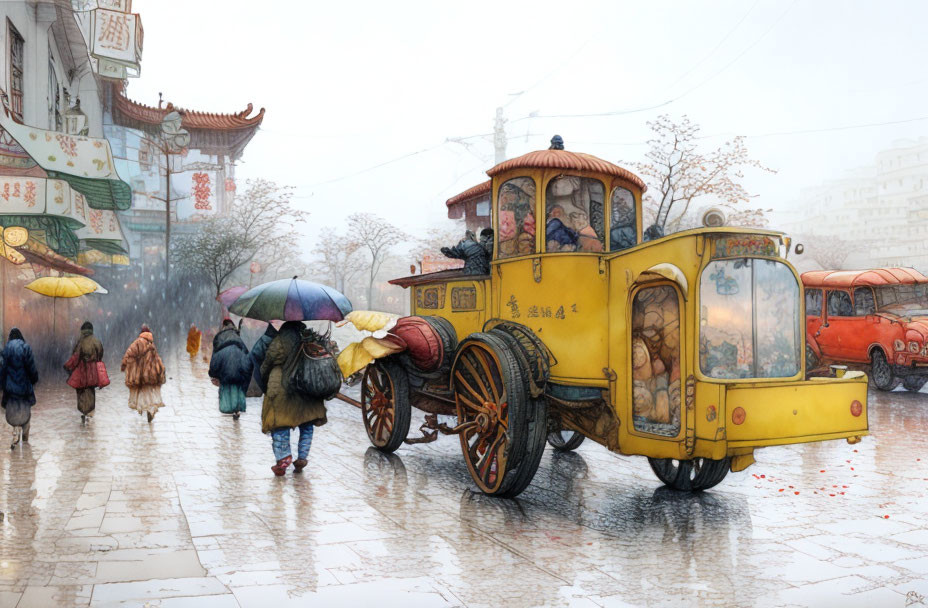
(186, 512)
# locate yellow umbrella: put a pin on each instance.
(357, 355)
(369, 320)
(65, 287)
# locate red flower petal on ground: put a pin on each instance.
(796, 492)
(886, 517)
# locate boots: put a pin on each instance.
(299, 464)
(83, 419)
(150, 416)
(26, 433)
(235, 416)
(281, 467)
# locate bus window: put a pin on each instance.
(623, 231)
(516, 217)
(656, 361)
(574, 219)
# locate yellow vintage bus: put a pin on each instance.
(687, 349)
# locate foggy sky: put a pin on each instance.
(350, 85)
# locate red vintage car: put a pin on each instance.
(876, 318)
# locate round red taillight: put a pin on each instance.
(857, 408)
(738, 415)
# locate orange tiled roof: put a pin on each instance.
(191, 118)
(477, 191)
(856, 278)
(567, 160)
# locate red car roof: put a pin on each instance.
(857, 278)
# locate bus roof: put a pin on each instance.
(568, 161)
(862, 278)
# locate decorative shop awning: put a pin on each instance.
(45, 205)
(37, 252)
(94, 257)
(103, 232)
(86, 163)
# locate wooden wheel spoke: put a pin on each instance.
(491, 378)
(466, 385)
(476, 376)
(491, 456)
(471, 405)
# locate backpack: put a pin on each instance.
(311, 370)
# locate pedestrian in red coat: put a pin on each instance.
(83, 365)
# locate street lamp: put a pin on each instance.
(173, 139)
(75, 121)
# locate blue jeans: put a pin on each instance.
(280, 440)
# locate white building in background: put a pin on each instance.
(882, 209)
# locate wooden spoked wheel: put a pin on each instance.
(690, 475)
(502, 438)
(385, 404)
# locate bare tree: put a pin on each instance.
(258, 225)
(435, 239)
(376, 237)
(829, 252)
(678, 173)
(339, 257)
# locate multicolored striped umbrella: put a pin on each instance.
(292, 300)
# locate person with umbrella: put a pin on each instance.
(144, 374)
(18, 377)
(84, 370)
(292, 301)
(230, 367)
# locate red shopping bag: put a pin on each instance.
(102, 378)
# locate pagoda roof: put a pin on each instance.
(211, 132)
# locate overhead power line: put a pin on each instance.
(681, 95)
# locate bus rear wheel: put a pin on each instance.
(564, 440)
(690, 475)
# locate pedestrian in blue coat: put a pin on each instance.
(230, 367)
(18, 377)
(258, 352)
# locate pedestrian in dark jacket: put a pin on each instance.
(258, 352)
(18, 377)
(230, 366)
(282, 411)
(82, 365)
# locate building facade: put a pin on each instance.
(880, 211)
(59, 188)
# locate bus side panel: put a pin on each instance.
(462, 302)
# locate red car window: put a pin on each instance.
(839, 304)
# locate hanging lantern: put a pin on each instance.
(75, 121)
